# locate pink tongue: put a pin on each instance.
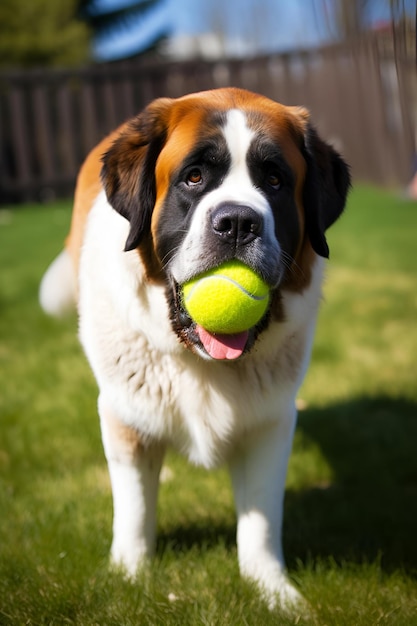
(223, 346)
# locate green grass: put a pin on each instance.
(351, 503)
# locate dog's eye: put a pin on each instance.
(194, 177)
(273, 179)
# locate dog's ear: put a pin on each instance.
(326, 184)
(128, 172)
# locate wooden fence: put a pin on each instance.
(363, 99)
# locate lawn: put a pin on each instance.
(351, 501)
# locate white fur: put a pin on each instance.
(135, 490)
(241, 412)
(259, 505)
(57, 288)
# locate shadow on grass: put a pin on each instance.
(367, 512)
(204, 535)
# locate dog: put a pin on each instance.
(186, 185)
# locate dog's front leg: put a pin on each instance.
(258, 471)
(134, 474)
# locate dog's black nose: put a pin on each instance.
(236, 224)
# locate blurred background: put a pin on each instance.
(72, 71)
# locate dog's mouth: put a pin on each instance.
(220, 347)
(223, 347)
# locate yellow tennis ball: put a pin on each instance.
(228, 299)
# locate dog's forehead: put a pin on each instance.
(233, 119)
(189, 127)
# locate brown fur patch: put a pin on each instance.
(180, 141)
(125, 441)
(87, 188)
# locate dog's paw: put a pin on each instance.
(283, 596)
(128, 564)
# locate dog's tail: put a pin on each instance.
(57, 292)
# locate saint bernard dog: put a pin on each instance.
(183, 187)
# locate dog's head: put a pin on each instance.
(223, 175)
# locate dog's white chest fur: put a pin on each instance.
(151, 381)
